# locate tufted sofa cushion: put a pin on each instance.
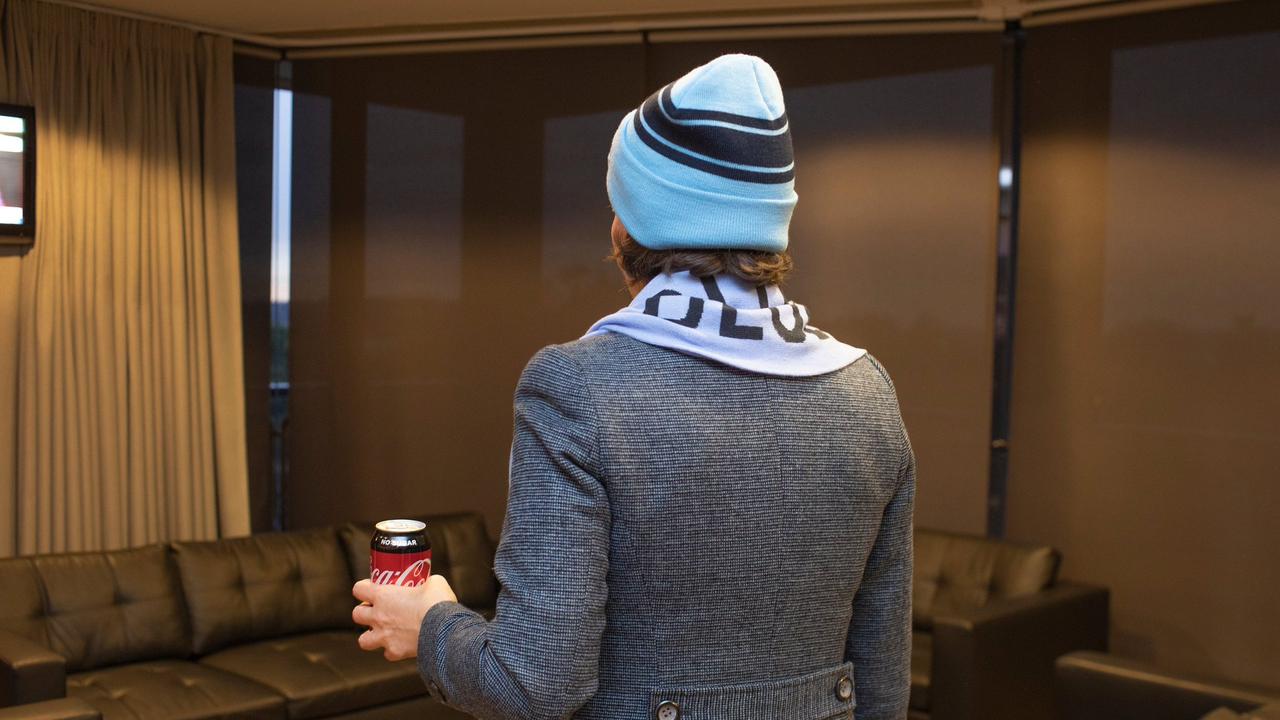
(174, 689)
(460, 550)
(322, 674)
(264, 586)
(963, 572)
(96, 608)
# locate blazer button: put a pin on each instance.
(844, 688)
(667, 710)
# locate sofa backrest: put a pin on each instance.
(264, 586)
(961, 572)
(96, 608)
(460, 550)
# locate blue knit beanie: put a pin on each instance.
(706, 162)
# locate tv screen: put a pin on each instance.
(17, 173)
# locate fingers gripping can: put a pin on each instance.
(400, 553)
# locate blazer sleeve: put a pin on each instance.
(879, 641)
(539, 656)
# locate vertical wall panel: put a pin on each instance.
(894, 233)
(575, 206)
(1146, 416)
(315, 484)
(255, 80)
(450, 220)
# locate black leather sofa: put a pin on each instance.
(252, 628)
(990, 619)
(1097, 686)
(260, 628)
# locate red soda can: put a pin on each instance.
(400, 553)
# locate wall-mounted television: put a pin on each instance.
(17, 174)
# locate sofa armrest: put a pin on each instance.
(61, 709)
(29, 672)
(1271, 711)
(1098, 686)
(996, 662)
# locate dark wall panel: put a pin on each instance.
(255, 79)
(1146, 419)
(450, 219)
(894, 233)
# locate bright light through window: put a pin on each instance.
(281, 196)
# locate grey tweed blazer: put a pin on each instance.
(686, 540)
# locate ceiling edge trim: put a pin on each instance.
(781, 32)
(1074, 11)
(664, 29)
(514, 43)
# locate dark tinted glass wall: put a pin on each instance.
(1146, 418)
(894, 233)
(450, 218)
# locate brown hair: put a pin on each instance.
(755, 267)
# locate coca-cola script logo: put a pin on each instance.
(412, 576)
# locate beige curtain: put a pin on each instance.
(121, 393)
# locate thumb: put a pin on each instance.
(366, 591)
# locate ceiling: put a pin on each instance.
(328, 16)
(337, 20)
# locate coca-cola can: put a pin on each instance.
(400, 553)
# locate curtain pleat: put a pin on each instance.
(129, 418)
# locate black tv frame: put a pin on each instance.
(24, 234)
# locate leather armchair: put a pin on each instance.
(61, 709)
(29, 672)
(990, 618)
(996, 662)
(1097, 686)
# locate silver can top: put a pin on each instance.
(401, 527)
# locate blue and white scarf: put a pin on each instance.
(726, 320)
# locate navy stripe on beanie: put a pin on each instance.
(693, 114)
(724, 144)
